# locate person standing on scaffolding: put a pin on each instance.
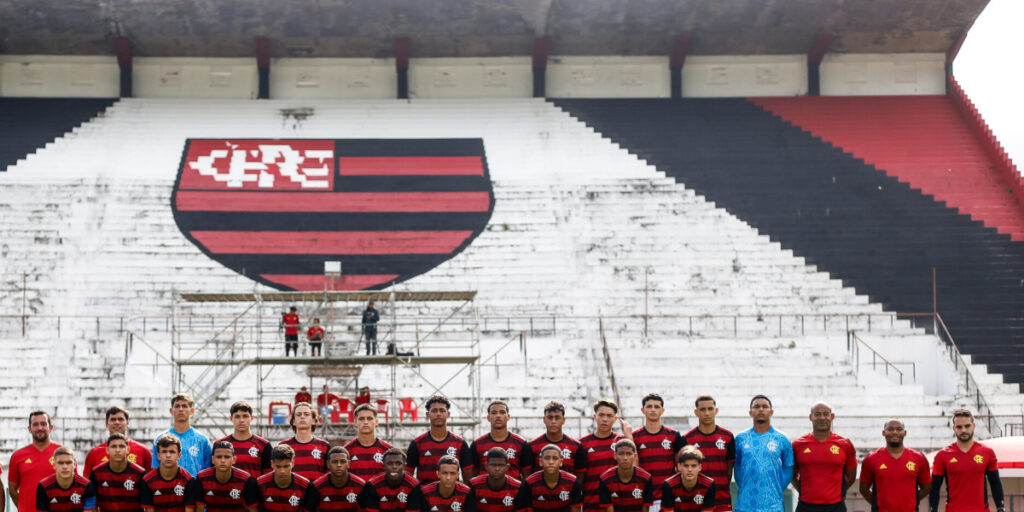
(290, 321)
(370, 319)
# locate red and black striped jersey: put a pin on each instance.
(657, 453)
(424, 453)
(675, 497)
(347, 498)
(509, 498)
(51, 497)
(310, 458)
(117, 491)
(457, 501)
(251, 455)
(520, 456)
(382, 497)
(366, 461)
(291, 498)
(631, 496)
(719, 450)
(236, 494)
(565, 495)
(600, 452)
(159, 495)
(574, 458)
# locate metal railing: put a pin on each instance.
(966, 379)
(853, 347)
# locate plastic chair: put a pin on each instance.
(282, 409)
(408, 405)
(382, 408)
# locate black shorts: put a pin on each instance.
(291, 337)
(811, 507)
(316, 343)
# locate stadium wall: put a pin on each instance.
(332, 78)
(180, 77)
(857, 74)
(498, 77)
(59, 76)
(725, 76)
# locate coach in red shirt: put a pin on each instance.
(894, 478)
(117, 423)
(826, 464)
(33, 463)
(965, 465)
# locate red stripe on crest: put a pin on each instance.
(319, 282)
(411, 165)
(333, 202)
(331, 242)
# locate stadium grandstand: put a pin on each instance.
(545, 200)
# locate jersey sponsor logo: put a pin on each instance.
(637, 493)
(378, 457)
(193, 451)
(269, 499)
(383, 499)
(419, 201)
(507, 501)
(235, 494)
(254, 452)
(483, 500)
(402, 497)
(591, 450)
(979, 459)
(451, 451)
(883, 466)
(953, 460)
(426, 453)
(678, 499)
(642, 446)
(209, 493)
(911, 466)
(54, 500)
(157, 493)
(28, 460)
(179, 490)
(129, 484)
(615, 495)
(564, 495)
(105, 484)
(351, 497)
(316, 453)
(807, 450)
(720, 443)
(834, 449)
(327, 498)
(293, 501)
(434, 508)
(133, 458)
(666, 444)
(355, 457)
(698, 499)
(541, 498)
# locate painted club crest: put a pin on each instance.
(388, 209)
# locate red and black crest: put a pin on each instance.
(388, 209)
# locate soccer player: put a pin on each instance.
(282, 490)
(223, 487)
(252, 452)
(495, 490)
(64, 491)
(657, 445)
(599, 448)
(689, 490)
(447, 494)
(520, 457)
(310, 452)
(574, 459)
(366, 451)
(427, 449)
(764, 461)
(964, 466)
(116, 481)
(290, 321)
(31, 464)
(895, 478)
(551, 489)
(339, 490)
(394, 490)
(626, 487)
(163, 489)
(718, 447)
(117, 422)
(195, 448)
(826, 464)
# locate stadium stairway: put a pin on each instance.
(580, 230)
(876, 232)
(31, 123)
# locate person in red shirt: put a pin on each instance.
(290, 321)
(964, 466)
(426, 450)
(364, 396)
(116, 481)
(303, 396)
(366, 451)
(574, 459)
(600, 451)
(656, 445)
(495, 491)
(717, 447)
(826, 464)
(520, 457)
(315, 336)
(689, 490)
(282, 490)
(252, 452)
(163, 489)
(894, 478)
(551, 489)
(626, 487)
(64, 491)
(310, 452)
(223, 487)
(33, 463)
(339, 490)
(117, 423)
(394, 490)
(447, 494)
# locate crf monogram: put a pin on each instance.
(236, 166)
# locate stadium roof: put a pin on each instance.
(453, 28)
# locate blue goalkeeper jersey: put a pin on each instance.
(195, 450)
(763, 469)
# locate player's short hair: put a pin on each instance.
(117, 436)
(394, 450)
(316, 320)
(625, 442)
(497, 402)
(168, 440)
(704, 398)
(293, 308)
(496, 453)
(316, 415)
(758, 397)
(241, 405)
(364, 407)
(338, 449)
(114, 409)
(606, 402)
(554, 407)
(282, 452)
(64, 450)
(438, 399)
(652, 396)
(549, 447)
(183, 397)
(223, 445)
(963, 413)
(890, 420)
(37, 413)
(689, 452)
(447, 459)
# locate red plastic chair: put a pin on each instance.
(408, 405)
(342, 406)
(383, 407)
